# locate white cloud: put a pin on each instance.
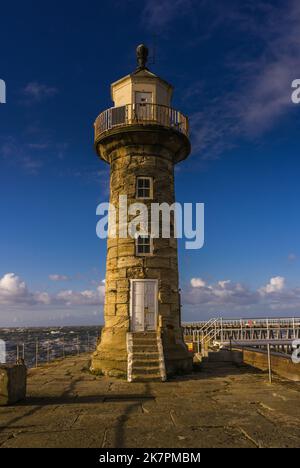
(33, 155)
(12, 152)
(101, 289)
(38, 92)
(42, 298)
(13, 289)
(198, 283)
(230, 298)
(220, 298)
(269, 95)
(86, 297)
(262, 73)
(262, 81)
(59, 277)
(219, 294)
(158, 14)
(224, 283)
(292, 257)
(14, 292)
(275, 285)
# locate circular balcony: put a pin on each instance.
(140, 114)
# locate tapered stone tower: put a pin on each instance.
(142, 138)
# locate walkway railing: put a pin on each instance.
(278, 332)
(39, 351)
(261, 322)
(205, 335)
(142, 114)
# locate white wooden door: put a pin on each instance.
(137, 306)
(143, 102)
(150, 299)
(143, 305)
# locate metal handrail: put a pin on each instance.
(249, 322)
(142, 114)
(205, 332)
(208, 337)
(208, 324)
(46, 350)
(205, 326)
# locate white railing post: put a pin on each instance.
(78, 345)
(269, 363)
(36, 352)
(222, 335)
(294, 329)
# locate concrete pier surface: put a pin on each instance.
(221, 406)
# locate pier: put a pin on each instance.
(223, 405)
(279, 333)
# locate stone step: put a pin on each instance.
(140, 355)
(146, 378)
(145, 370)
(145, 334)
(140, 362)
(144, 341)
(145, 357)
(144, 348)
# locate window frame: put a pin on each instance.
(143, 254)
(143, 188)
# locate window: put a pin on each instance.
(143, 98)
(143, 245)
(143, 107)
(144, 188)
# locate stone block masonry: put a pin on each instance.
(156, 161)
(12, 384)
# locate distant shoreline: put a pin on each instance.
(39, 327)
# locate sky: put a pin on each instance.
(232, 64)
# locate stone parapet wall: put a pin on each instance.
(280, 364)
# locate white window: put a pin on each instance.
(142, 98)
(144, 187)
(143, 245)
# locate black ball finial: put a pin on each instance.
(142, 53)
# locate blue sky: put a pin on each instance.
(232, 64)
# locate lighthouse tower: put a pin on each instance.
(142, 138)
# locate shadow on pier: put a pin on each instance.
(86, 399)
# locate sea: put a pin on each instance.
(41, 345)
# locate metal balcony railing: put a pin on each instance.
(142, 114)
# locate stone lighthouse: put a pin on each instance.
(142, 138)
